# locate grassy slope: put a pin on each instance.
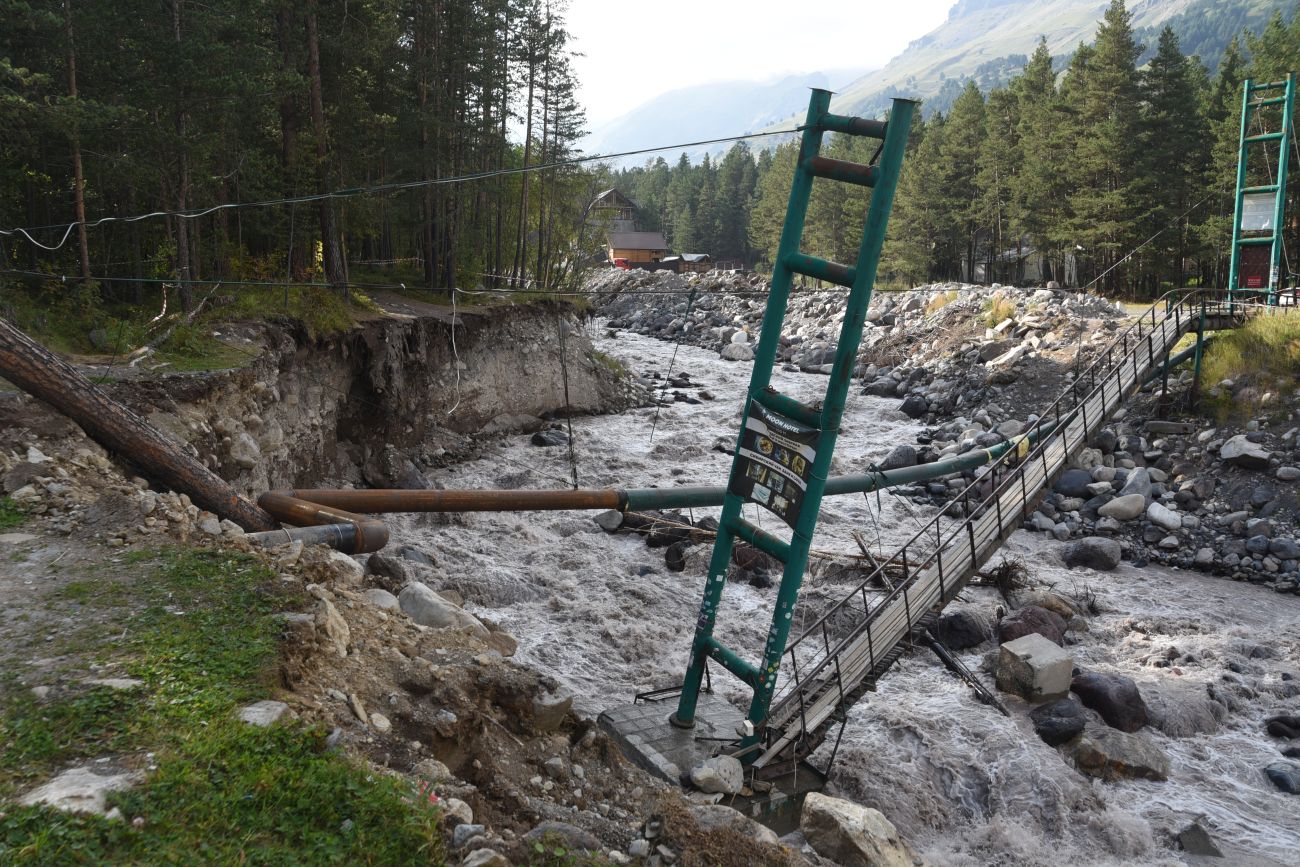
(1261, 357)
(199, 629)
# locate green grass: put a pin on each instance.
(201, 634)
(10, 514)
(1260, 357)
(609, 362)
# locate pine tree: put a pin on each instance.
(959, 171)
(1109, 194)
(1175, 155)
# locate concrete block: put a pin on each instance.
(1034, 668)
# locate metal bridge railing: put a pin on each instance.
(828, 671)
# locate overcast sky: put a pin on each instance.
(635, 51)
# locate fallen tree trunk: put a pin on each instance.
(40, 373)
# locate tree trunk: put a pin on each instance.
(40, 373)
(336, 273)
(78, 180)
(182, 185)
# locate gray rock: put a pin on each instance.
(462, 834)
(719, 774)
(1284, 549)
(852, 835)
(1029, 620)
(1195, 840)
(737, 352)
(1110, 754)
(712, 817)
(1288, 474)
(1092, 553)
(1074, 483)
(1034, 669)
(81, 790)
(381, 598)
(914, 406)
(1284, 775)
(1246, 454)
(1164, 517)
(427, 608)
(245, 451)
(485, 858)
(1138, 482)
(1114, 696)
(1059, 721)
(962, 628)
(550, 708)
(900, 456)
(1124, 508)
(263, 714)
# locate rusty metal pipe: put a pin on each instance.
(378, 501)
(364, 534)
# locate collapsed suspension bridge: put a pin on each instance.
(802, 687)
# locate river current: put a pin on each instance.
(963, 784)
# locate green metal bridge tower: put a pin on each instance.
(1258, 218)
(783, 452)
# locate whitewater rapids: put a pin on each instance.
(964, 785)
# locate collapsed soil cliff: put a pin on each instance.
(309, 411)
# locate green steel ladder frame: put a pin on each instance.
(883, 177)
(1278, 189)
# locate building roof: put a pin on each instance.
(637, 241)
(612, 197)
(697, 257)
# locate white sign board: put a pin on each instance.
(1257, 212)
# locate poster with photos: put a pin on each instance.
(775, 460)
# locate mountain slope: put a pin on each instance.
(704, 111)
(989, 40)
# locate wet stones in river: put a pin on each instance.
(675, 555)
(1283, 726)
(1113, 755)
(1031, 619)
(1059, 722)
(1114, 696)
(1092, 552)
(1284, 775)
(550, 438)
(962, 629)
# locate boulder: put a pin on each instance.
(1164, 517)
(1092, 552)
(1181, 710)
(737, 352)
(1284, 775)
(1243, 453)
(1109, 754)
(900, 456)
(914, 406)
(389, 468)
(427, 608)
(1124, 508)
(549, 438)
(852, 835)
(381, 598)
(1059, 721)
(1031, 619)
(1034, 669)
(712, 817)
(1074, 483)
(551, 708)
(1113, 696)
(1138, 482)
(962, 629)
(719, 774)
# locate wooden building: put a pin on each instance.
(636, 246)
